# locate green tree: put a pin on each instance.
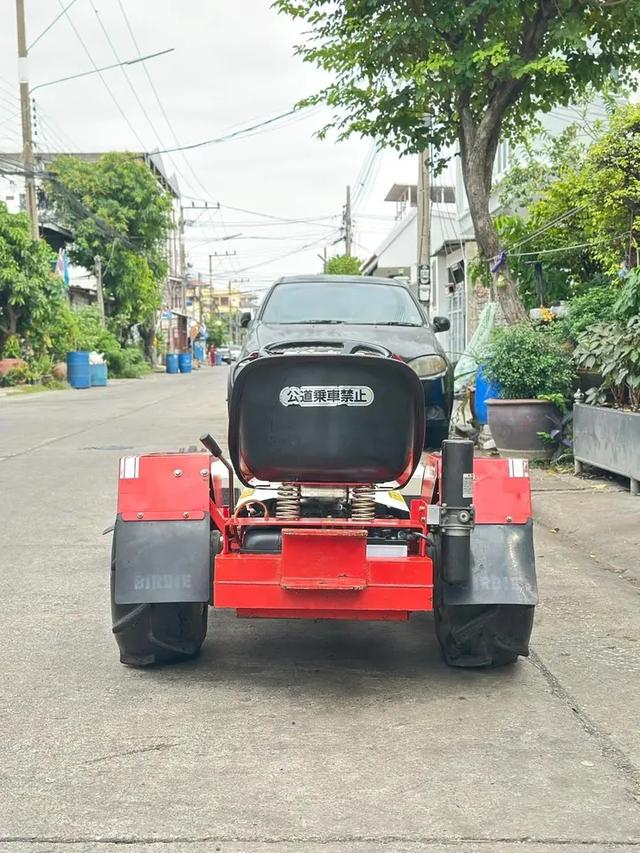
(609, 186)
(117, 210)
(417, 73)
(343, 265)
(30, 294)
(217, 330)
(583, 210)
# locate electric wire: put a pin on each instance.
(156, 95)
(101, 76)
(243, 132)
(51, 25)
(130, 84)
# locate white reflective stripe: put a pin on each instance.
(129, 467)
(518, 467)
(388, 551)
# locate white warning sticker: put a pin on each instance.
(129, 467)
(518, 467)
(467, 485)
(327, 395)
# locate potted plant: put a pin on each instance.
(534, 372)
(608, 435)
(11, 356)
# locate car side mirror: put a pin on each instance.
(441, 324)
(245, 319)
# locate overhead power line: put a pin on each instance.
(159, 101)
(52, 24)
(124, 72)
(97, 70)
(65, 11)
(237, 133)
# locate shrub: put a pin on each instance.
(127, 363)
(42, 366)
(528, 363)
(613, 349)
(627, 305)
(594, 306)
(11, 348)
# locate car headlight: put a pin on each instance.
(428, 365)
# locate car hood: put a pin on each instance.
(406, 341)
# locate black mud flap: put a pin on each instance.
(158, 562)
(503, 568)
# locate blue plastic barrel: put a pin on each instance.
(99, 375)
(218, 359)
(172, 362)
(78, 369)
(185, 362)
(485, 390)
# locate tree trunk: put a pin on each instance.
(14, 316)
(148, 335)
(478, 146)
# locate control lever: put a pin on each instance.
(214, 449)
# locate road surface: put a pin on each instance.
(289, 736)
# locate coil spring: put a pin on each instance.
(363, 503)
(288, 502)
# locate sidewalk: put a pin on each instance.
(598, 517)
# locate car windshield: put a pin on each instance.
(358, 303)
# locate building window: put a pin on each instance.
(503, 158)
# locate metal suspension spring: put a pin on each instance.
(288, 502)
(363, 503)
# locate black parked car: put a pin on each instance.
(322, 313)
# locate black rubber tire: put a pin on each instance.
(156, 633)
(479, 635)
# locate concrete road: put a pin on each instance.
(289, 736)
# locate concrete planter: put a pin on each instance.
(608, 439)
(516, 426)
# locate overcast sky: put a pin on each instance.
(233, 65)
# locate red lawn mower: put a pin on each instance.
(341, 518)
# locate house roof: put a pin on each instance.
(395, 232)
(403, 192)
(153, 160)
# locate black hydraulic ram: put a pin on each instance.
(456, 510)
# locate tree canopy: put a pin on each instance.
(30, 294)
(415, 74)
(583, 209)
(117, 210)
(343, 265)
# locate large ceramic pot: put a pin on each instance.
(60, 371)
(516, 426)
(7, 364)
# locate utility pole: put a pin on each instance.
(100, 294)
(25, 109)
(211, 291)
(424, 224)
(348, 225)
(231, 337)
(183, 263)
